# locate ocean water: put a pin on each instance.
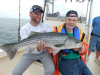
(9, 29)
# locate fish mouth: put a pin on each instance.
(79, 44)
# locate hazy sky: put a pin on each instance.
(10, 8)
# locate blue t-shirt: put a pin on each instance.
(96, 26)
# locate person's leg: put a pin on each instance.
(98, 49)
(92, 44)
(96, 60)
(97, 54)
(65, 67)
(85, 69)
(22, 65)
(47, 62)
(70, 67)
(80, 68)
(73, 67)
(89, 52)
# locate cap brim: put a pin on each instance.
(38, 10)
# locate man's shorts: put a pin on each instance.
(94, 43)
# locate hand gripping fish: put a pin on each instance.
(57, 41)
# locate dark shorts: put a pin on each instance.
(73, 67)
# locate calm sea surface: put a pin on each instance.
(9, 30)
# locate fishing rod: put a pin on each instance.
(44, 10)
(19, 23)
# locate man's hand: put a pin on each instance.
(40, 45)
(49, 50)
(90, 37)
(81, 49)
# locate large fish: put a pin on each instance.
(57, 41)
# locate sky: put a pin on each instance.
(10, 8)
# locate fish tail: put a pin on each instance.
(10, 51)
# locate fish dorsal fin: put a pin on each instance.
(32, 33)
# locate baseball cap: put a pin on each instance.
(68, 14)
(36, 8)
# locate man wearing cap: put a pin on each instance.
(40, 52)
(71, 61)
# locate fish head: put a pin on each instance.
(71, 42)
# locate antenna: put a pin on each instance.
(19, 23)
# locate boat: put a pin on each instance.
(52, 18)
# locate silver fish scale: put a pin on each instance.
(50, 38)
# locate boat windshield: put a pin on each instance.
(59, 8)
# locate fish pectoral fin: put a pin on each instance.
(59, 45)
(12, 54)
(55, 52)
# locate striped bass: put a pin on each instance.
(57, 41)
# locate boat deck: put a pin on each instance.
(37, 68)
(95, 69)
